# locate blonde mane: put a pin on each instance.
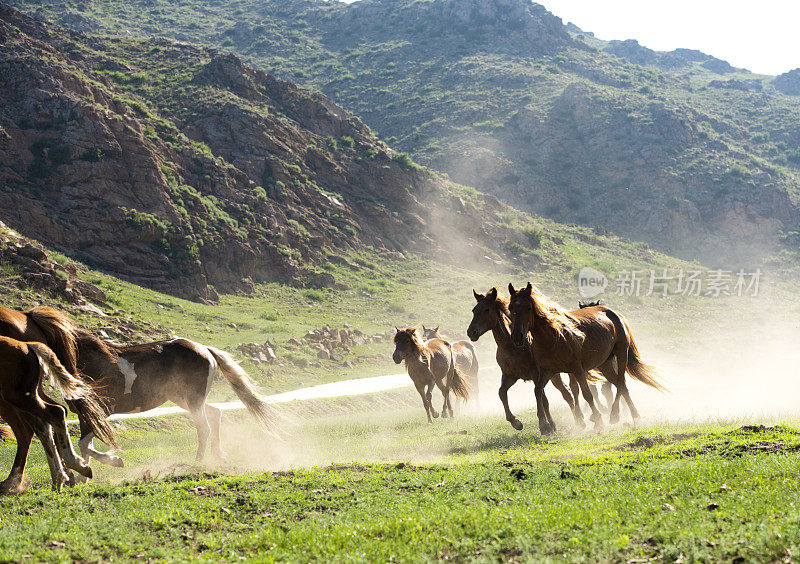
(565, 326)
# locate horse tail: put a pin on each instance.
(637, 368)
(83, 397)
(456, 380)
(60, 335)
(266, 417)
(594, 376)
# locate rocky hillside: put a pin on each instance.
(677, 149)
(186, 171)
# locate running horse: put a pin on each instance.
(138, 378)
(516, 363)
(23, 368)
(430, 363)
(466, 357)
(53, 328)
(579, 341)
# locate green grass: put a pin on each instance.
(391, 487)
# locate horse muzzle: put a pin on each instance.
(397, 358)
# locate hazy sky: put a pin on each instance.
(762, 36)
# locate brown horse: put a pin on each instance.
(53, 328)
(430, 363)
(466, 357)
(516, 363)
(578, 341)
(137, 378)
(23, 367)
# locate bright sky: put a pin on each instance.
(762, 36)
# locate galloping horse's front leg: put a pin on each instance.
(596, 417)
(505, 383)
(429, 398)
(575, 387)
(57, 470)
(17, 482)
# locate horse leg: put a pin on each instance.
(544, 424)
(421, 390)
(569, 398)
(576, 394)
(17, 482)
(57, 417)
(215, 418)
(622, 388)
(595, 418)
(45, 434)
(546, 405)
(605, 389)
(447, 410)
(203, 429)
(429, 399)
(506, 382)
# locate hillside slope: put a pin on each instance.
(677, 149)
(186, 171)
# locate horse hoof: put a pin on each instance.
(435, 415)
(546, 429)
(580, 424)
(613, 418)
(517, 424)
(15, 487)
(116, 462)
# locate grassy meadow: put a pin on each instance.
(353, 483)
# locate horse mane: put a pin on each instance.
(584, 305)
(86, 339)
(501, 302)
(565, 325)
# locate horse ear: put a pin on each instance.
(396, 329)
(437, 329)
(423, 328)
(511, 289)
(411, 330)
(478, 297)
(529, 288)
(492, 293)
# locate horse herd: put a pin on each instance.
(537, 340)
(99, 378)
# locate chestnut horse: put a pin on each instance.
(516, 363)
(53, 328)
(466, 357)
(23, 367)
(427, 364)
(137, 378)
(578, 341)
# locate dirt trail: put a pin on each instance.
(354, 387)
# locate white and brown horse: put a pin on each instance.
(430, 363)
(137, 378)
(579, 341)
(23, 367)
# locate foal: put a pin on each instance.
(430, 363)
(23, 367)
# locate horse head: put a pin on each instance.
(522, 313)
(484, 314)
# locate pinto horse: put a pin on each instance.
(428, 364)
(466, 357)
(137, 378)
(53, 328)
(23, 367)
(516, 363)
(578, 341)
